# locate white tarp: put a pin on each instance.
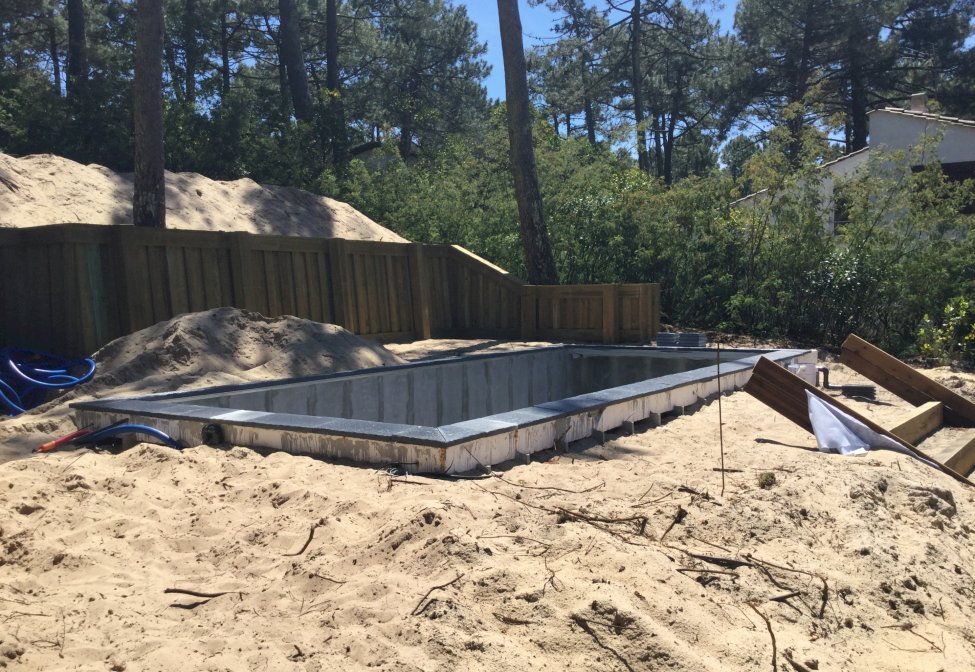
(839, 432)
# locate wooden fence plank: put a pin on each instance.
(241, 272)
(176, 273)
(299, 261)
(611, 323)
(195, 285)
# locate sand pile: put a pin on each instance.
(48, 189)
(617, 557)
(215, 347)
(622, 556)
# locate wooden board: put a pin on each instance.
(955, 447)
(962, 458)
(920, 422)
(785, 393)
(905, 382)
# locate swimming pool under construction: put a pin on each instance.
(449, 415)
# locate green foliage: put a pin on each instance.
(952, 339)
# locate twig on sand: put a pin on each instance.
(421, 607)
(599, 522)
(824, 594)
(196, 593)
(786, 596)
(311, 535)
(511, 620)
(796, 665)
(691, 570)
(584, 624)
(519, 537)
(326, 578)
(679, 516)
(908, 627)
(601, 484)
(768, 625)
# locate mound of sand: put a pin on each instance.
(631, 555)
(625, 556)
(48, 189)
(222, 346)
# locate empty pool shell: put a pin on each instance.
(448, 415)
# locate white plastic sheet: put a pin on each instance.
(839, 432)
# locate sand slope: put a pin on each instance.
(572, 562)
(48, 189)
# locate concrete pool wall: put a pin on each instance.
(449, 415)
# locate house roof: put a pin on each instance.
(840, 159)
(929, 116)
(834, 162)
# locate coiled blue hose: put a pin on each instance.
(26, 376)
(113, 430)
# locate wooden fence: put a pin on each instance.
(71, 288)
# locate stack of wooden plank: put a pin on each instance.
(937, 405)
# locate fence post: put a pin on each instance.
(341, 284)
(529, 312)
(240, 272)
(131, 313)
(420, 291)
(611, 326)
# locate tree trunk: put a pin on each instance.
(224, 54)
(406, 136)
(149, 197)
(336, 105)
(191, 53)
(590, 121)
(534, 236)
(294, 62)
(77, 49)
(52, 35)
(858, 91)
(637, 76)
(658, 145)
(799, 86)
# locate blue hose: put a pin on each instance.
(26, 376)
(113, 430)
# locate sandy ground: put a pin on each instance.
(629, 555)
(48, 189)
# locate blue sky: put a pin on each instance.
(536, 23)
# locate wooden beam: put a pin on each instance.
(785, 393)
(905, 382)
(920, 422)
(962, 457)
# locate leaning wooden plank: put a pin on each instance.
(789, 401)
(905, 382)
(920, 422)
(779, 389)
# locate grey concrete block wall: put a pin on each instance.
(449, 392)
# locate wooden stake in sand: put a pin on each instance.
(717, 344)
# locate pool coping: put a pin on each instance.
(165, 405)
